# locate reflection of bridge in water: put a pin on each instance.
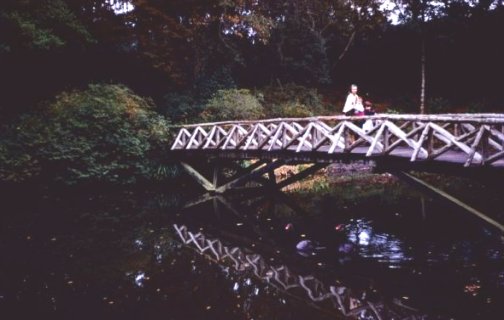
(308, 288)
(464, 144)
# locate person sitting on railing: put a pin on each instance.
(353, 104)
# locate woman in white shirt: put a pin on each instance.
(353, 103)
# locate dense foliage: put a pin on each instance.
(292, 100)
(233, 104)
(103, 133)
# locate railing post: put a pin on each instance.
(348, 138)
(502, 131)
(386, 136)
(430, 142)
(484, 146)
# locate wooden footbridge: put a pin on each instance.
(459, 143)
(466, 140)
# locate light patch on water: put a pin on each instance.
(382, 247)
(121, 7)
(139, 279)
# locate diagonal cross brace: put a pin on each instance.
(303, 174)
(198, 177)
(251, 176)
(417, 182)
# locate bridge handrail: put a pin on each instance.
(479, 118)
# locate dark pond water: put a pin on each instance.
(368, 252)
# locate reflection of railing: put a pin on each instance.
(282, 278)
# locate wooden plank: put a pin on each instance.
(376, 138)
(420, 142)
(245, 137)
(474, 146)
(402, 135)
(279, 131)
(269, 137)
(360, 132)
(250, 137)
(302, 141)
(208, 139)
(396, 143)
(229, 137)
(296, 136)
(497, 156)
(448, 137)
(327, 132)
(179, 138)
(207, 185)
(448, 146)
(491, 118)
(198, 132)
(337, 137)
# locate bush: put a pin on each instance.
(292, 100)
(187, 105)
(103, 133)
(405, 104)
(206, 85)
(181, 108)
(16, 164)
(290, 110)
(438, 105)
(479, 106)
(233, 104)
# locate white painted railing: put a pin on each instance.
(468, 139)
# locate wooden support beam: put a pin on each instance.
(198, 177)
(272, 177)
(240, 171)
(216, 175)
(417, 182)
(201, 199)
(251, 176)
(301, 175)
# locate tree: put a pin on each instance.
(40, 25)
(311, 37)
(103, 133)
(416, 13)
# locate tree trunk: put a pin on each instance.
(422, 82)
(349, 43)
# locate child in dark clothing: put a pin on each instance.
(368, 111)
(368, 108)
